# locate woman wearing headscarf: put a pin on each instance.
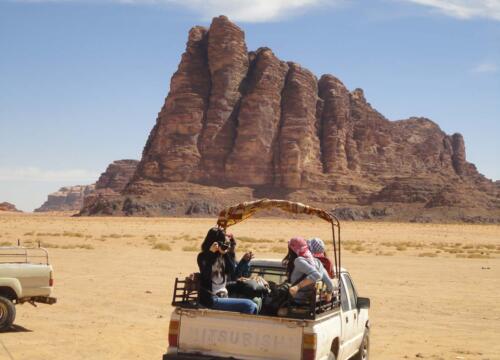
(303, 271)
(317, 248)
(218, 267)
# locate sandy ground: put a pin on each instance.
(434, 288)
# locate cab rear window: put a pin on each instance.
(275, 275)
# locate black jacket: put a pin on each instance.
(232, 270)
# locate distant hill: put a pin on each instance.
(71, 198)
(68, 198)
(6, 206)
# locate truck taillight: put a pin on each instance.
(308, 346)
(51, 280)
(173, 333)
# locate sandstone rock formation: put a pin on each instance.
(6, 206)
(242, 125)
(68, 198)
(117, 175)
(111, 183)
(258, 121)
(228, 65)
(298, 152)
(172, 151)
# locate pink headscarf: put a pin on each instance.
(299, 246)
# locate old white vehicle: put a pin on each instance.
(335, 330)
(25, 276)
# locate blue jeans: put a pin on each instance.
(245, 306)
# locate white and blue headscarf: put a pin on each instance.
(316, 245)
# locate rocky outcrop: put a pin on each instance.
(117, 175)
(298, 151)
(111, 183)
(68, 198)
(147, 198)
(6, 206)
(228, 64)
(238, 122)
(335, 116)
(258, 122)
(458, 154)
(172, 152)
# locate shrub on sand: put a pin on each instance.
(247, 239)
(162, 247)
(77, 246)
(384, 253)
(427, 254)
(47, 234)
(479, 256)
(190, 248)
(278, 249)
(359, 248)
(73, 234)
(49, 245)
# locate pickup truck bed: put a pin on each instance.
(337, 333)
(228, 334)
(27, 280)
(25, 276)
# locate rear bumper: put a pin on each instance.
(45, 300)
(181, 356)
(39, 299)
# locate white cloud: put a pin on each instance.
(37, 174)
(485, 67)
(464, 9)
(251, 10)
(236, 10)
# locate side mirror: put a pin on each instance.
(363, 303)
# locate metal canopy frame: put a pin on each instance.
(243, 211)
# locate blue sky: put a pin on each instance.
(81, 82)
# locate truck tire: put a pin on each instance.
(364, 348)
(7, 313)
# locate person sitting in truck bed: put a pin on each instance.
(303, 271)
(317, 248)
(217, 263)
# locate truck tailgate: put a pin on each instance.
(228, 334)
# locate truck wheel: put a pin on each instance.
(7, 313)
(364, 348)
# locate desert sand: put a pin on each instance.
(434, 289)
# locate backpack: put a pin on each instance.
(278, 297)
(248, 288)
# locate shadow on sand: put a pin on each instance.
(15, 328)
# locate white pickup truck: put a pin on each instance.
(337, 332)
(25, 276)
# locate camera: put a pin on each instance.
(224, 245)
